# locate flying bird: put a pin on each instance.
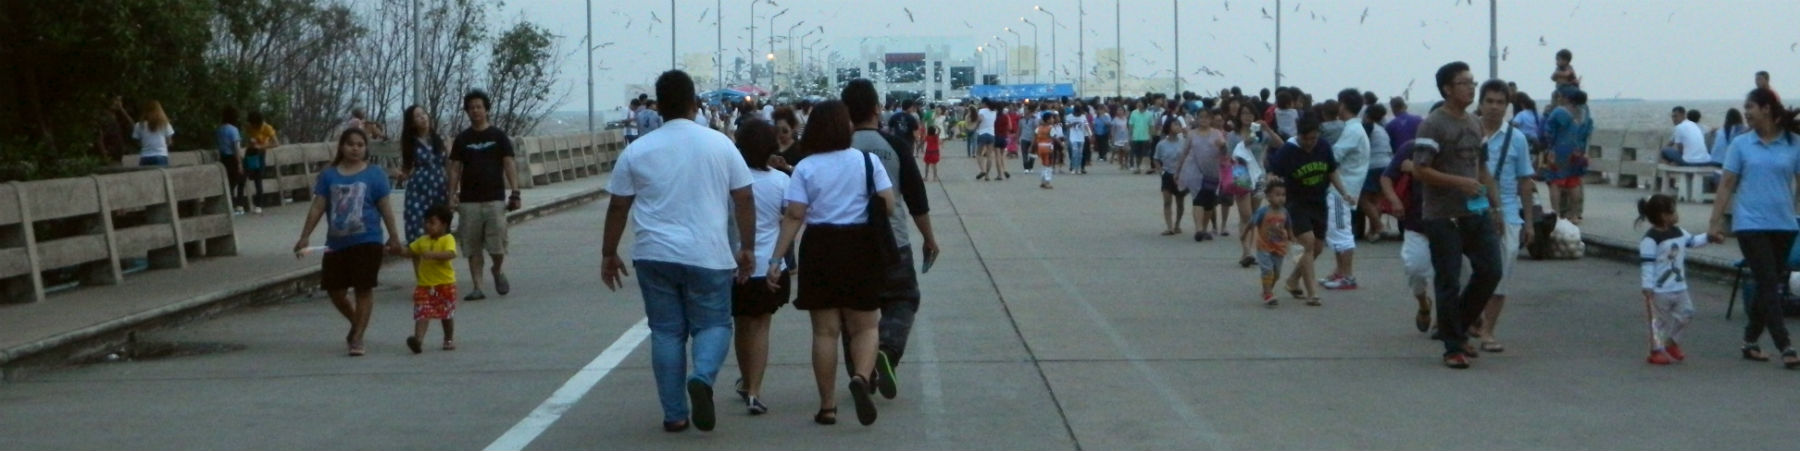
(1504, 51)
(1793, 46)
(966, 24)
(1365, 16)
(909, 16)
(1296, 6)
(1268, 47)
(1541, 42)
(1671, 17)
(1154, 44)
(1265, 13)
(1252, 60)
(653, 17)
(1215, 18)
(1315, 16)
(1407, 93)
(1227, 5)
(1427, 46)
(1421, 24)
(703, 14)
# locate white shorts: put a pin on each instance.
(1415, 256)
(1509, 254)
(1339, 216)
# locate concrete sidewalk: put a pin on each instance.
(85, 319)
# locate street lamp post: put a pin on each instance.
(1053, 64)
(791, 60)
(590, 65)
(1017, 40)
(1034, 49)
(772, 43)
(1493, 40)
(672, 35)
(797, 62)
(1002, 61)
(1119, 55)
(1177, 76)
(1277, 44)
(752, 39)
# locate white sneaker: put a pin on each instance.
(237, 211)
(256, 210)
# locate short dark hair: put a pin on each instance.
(860, 100)
(1398, 104)
(756, 142)
(1495, 85)
(441, 212)
(1694, 116)
(908, 104)
(1375, 112)
(1308, 123)
(256, 118)
(637, 103)
(1564, 54)
(828, 129)
(1272, 184)
(229, 115)
(487, 103)
(676, 91)
(1679, 110)
(1446, 75)
(1762, 73)
(1349, 99)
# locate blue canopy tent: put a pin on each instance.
(1022, 92)
(728, 96)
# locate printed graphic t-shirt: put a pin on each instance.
(351, 215)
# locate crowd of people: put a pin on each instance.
(737, 209)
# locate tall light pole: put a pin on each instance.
(1119, 55)
(1080, 47)
(1493, 40)
(1034, 49)
(790, 40)
(1003, 61)
(1017, 40)
(590, 63)
(1053, 64)
(672, 34)
(796, 61)
(981, 64)
(719, 52)
(752, 40)
(1277, 44)
(772, 43)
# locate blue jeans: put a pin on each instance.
(683, 301)
(153, 161)
(1672, 156)
(1471, 236)
(1077, 151)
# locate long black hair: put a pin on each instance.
(338, 153)
(409, 139)
(1785, 119)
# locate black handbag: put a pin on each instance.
(887, 251)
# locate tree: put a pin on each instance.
(522, 68)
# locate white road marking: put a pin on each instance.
(552, 409)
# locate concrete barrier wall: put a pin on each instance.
(177, 213)
(1626, 158)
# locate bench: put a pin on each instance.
(1686, 189)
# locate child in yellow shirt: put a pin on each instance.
(435, 296)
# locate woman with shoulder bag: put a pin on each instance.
(842, 196)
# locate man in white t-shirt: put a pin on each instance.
(1352, 153)
(768, 112)
(674, 184)
(1687, 143)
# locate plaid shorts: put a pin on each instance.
(436, 302)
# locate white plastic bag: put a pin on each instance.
(1566, 241)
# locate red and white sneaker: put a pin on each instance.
(1340, 283)
(1674, 350)
(1659, 358)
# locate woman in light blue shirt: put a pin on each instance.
(1764, 163)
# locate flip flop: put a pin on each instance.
(1314, 302)
(1423, 320)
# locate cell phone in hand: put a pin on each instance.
(930, 258)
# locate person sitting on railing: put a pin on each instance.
(1687, 143)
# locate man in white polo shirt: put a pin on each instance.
(1687, 143)
(675, 183)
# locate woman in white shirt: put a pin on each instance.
(153, 135)
(1078, 138)
(752, 302)
(840, 274)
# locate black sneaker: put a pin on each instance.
(700, 397)
(884, 376)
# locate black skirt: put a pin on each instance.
(839, 268)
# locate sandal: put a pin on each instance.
(1422, 320)
(449, 345)
(1754, 353)
(1790, 359)
(865, 405)
(1168, 232)
(826, 416)
(1246, 261)
(1314, 302)
(356, 350)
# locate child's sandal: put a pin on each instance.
(1754, 353)
(1790, 359)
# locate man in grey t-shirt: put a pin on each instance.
(900, 295)
(1461, 203)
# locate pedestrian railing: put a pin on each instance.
(86, 229)
(1626, 158)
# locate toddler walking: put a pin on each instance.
(435, 297)
(1664, 255)
(932, 154)
(1269, 229)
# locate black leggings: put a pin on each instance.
(234, 173)
(1765, 252)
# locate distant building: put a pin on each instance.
(932, 68)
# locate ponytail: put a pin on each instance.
(1653, 207)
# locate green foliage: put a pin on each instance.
(521, 70)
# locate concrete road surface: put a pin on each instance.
(1056, 319)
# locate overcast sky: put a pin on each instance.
(1653, 49)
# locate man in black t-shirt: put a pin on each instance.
(482, 172)
(905, 125)
(1308, 167)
